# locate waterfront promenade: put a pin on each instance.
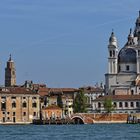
(90, 118)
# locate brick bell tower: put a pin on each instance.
(10, 73)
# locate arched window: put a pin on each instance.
(110, 53)
(126, 104)
(113, 52)
(131, 104)
(120, 104)
(113, 92)
(132, 92)
(24, 105)
(14, 105)
(3, 106)
(115, 104)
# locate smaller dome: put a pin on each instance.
(112, 38)
(127, 55)
(130, 39)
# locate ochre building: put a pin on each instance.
(18, 105)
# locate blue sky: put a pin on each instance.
(62, 43)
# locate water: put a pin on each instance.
(70, 132)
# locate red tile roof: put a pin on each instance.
(90, 89)
(42, 91)
(119, 98)
(16, 90)
(52, 107)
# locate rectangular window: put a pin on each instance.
(127, 67)
(24, 104)
(3, 97)
(24, 113)
(34, 114)
(34, 105)
(99, 105)
(137, 104)
(13, 97)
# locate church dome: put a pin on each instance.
(127, 55)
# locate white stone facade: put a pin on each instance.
(124, 64)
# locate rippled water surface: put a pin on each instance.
(70, 132)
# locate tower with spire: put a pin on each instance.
(112, 61)
(10, 73)
(113, 53)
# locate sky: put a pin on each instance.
(62, 43)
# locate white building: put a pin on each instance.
(91, 94)
(122, 83)
(124, 64)
(121, 104)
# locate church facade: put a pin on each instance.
(123, 77)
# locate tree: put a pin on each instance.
(80, 103)
(108, 105)
(59, 101)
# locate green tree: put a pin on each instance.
(59, 101)
(80, 103)
(108, 105)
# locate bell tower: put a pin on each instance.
(10, 73)
(113, 54)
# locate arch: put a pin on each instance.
(78, 120)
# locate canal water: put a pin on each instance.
(71, 132)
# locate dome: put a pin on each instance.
(112, 38)
(127, 55)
